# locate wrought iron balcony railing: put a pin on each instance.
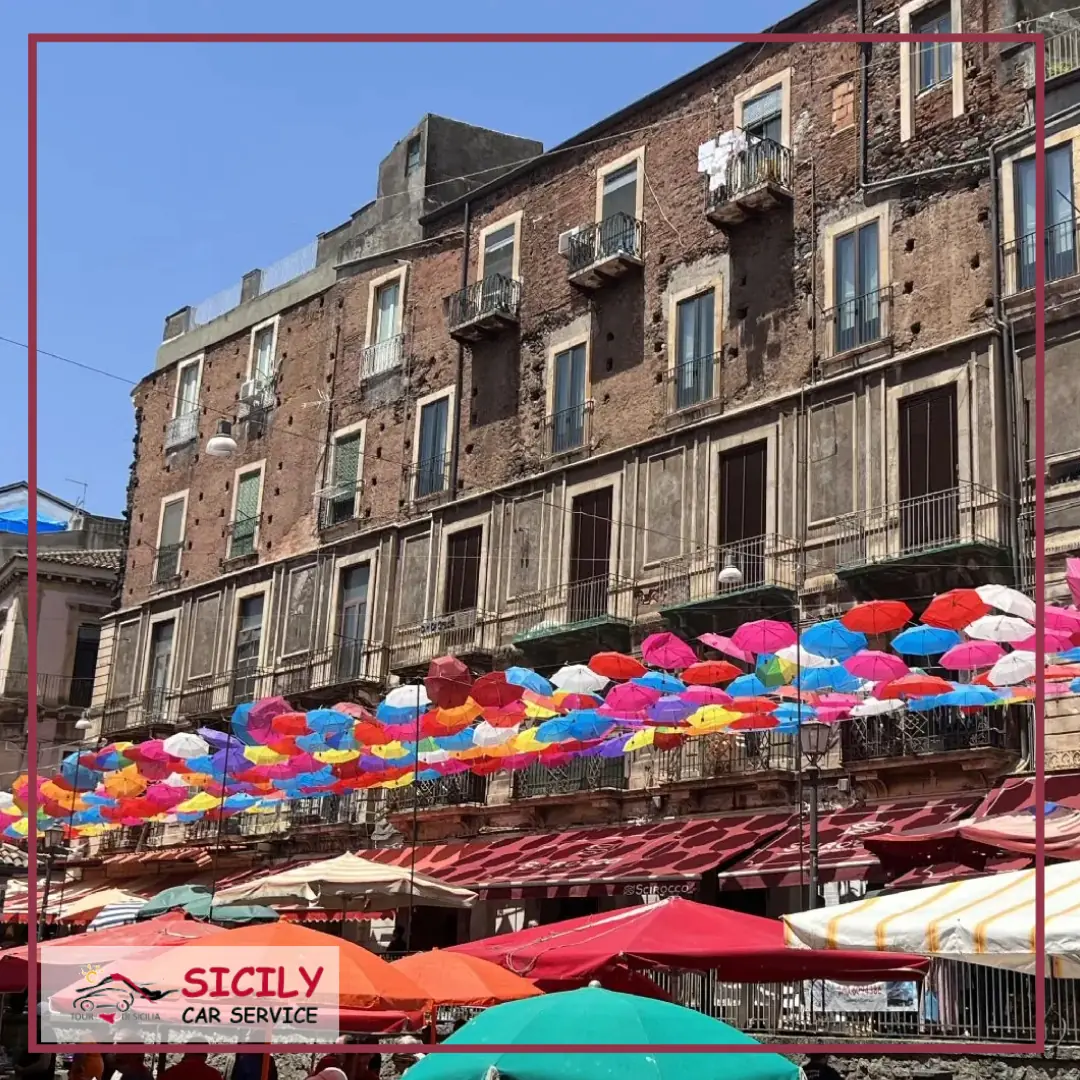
(738, 754)
(762, 163)
(182, 430)
(582, 774)
(862, 320)
(382, 357)
(568, 429)
(495, 297)
(338, 504)
(167, 563)
(618, 236)
(1060, 246)
(52, 690)
(461, 789)
(607, 597)
(427, 479)
(937, 731)
(241, 537)
(156, 706)
(762, 562)
(693, 382)
(965, 514)
(457, 633)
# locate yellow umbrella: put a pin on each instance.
(202, 801)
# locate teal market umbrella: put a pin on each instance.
(179, 896)
(595, 1017)
(230, 914)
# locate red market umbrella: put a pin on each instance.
(710, 672)
(764, 636)
(493, 691)
(616, 665)
(954, 609)
(667, 651)
(682, 934)
(877, 616)
(448, 682)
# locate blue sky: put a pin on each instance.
(167, 171)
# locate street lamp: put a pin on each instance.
(731, 576)
(221, 443)
(815, 739)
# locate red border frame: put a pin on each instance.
(839, 1049)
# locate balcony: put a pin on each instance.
(758, 179)
(427, 481)
(898, 739)
(1018, 257)
(167, 565)
(469, 635)
(699, 593)
(582, 774)
(574, 618)
(324, 673)
(606, 251)
(693, 384)
(461, 789)
(859, 323)
(181, 430)
(53, 691)
(382, 358)
(483, 309)
(957, 537)
(568, 430)
(339, 504)
(749, 753)
(241, 537)
(156, 708)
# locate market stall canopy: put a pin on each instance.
(677, 933)
(461, 979)
(983, 920)
(348, 881)
(591, 1017)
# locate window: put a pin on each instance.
(462, 592)
(1060, 217)
(412, 155)
(157, 684)
(857, 288)
(743, 512)
(929, 470)
(499, 252)
(762, 116)
(695, 322)
(246, 517)
(568, 400)
(386, 301)
(246, 651)
(352, 621)
(345, 466)
(170, 540)
(184, 425)
(933, 60)
(263, 339)
(87, 638)
(431, 460)
(619, 195)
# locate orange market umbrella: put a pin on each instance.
(459, 979)
(615, 665)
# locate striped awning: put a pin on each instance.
(116, 915)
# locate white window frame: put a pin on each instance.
(781, 79)
(347, 562)
(191, 361)
(637, 157)
(166, 501)
(451, 425)
(173, 615)
(571, 492)
(495, 226)
(375, 286)
(908, 94)
(360, 427)
(245, 470)
(275, 322)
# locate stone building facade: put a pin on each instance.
(556, 411)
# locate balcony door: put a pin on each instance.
(352, 621)
(929, 470)
(590, 555)
(462, 592)
(82, 674)
(161, 645)
(249, 620)
(618, 212)
(1060, 217)
(568, 414)
(742, 511)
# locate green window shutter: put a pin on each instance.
(347, 461)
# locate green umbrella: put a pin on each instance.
(594, 1017)
(179, 896)
(232, 914)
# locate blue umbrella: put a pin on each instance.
(925, 641)
(828, 678)
(659, 680)
(832, 639)
(968, 695)
(581, 724)
(523, 676)
(1070, 656)
(747, 686)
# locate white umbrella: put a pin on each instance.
(185, 744)
(347, 882)
(795, 654)
(998, 628)
(1015, 667)
(488, 735)
(413, 696)
(1010, 601)
(873, 707)
(578, 679)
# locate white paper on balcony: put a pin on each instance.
(714, 156)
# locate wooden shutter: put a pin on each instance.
(742, 494)
(347, 461)
(463, 570)
(247, 496)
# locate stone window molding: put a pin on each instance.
(908, 94)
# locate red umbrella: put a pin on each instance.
(710, 672)
(914, 685)
(667, 651)
(616, 665)
(877, 616)
(954, 609)
(752, 705)
(448, 682)
(494, 691)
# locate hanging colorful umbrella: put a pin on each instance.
(615, 665)
(877, 616)
(726, 646)
(710, 672)
(448, 682)
(925, 641)
(954, 609)
(1060, 618)
(875, 707)
(969, 696)
(833, 640)
(915, 685)
(631, 697)
(578, 679)
(667, 651)
(747, 686)
(764, 636)
(876, 666)
(972, 655)
(773, 671)
(1053, 641)
(803, 658)
(1009, 601)
(705, 695)
(529, 679)
(660, 680)
(1004, 628)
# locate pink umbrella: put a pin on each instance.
(631, 697)
(1059, 618)
(705, 695)
(829, 714)
(1053, 641)
(839, 700)
(667, 651)
(876, 666)
(726, 646)
(764, 636)
(1072, 578)
(972, 655)
(262, 715)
